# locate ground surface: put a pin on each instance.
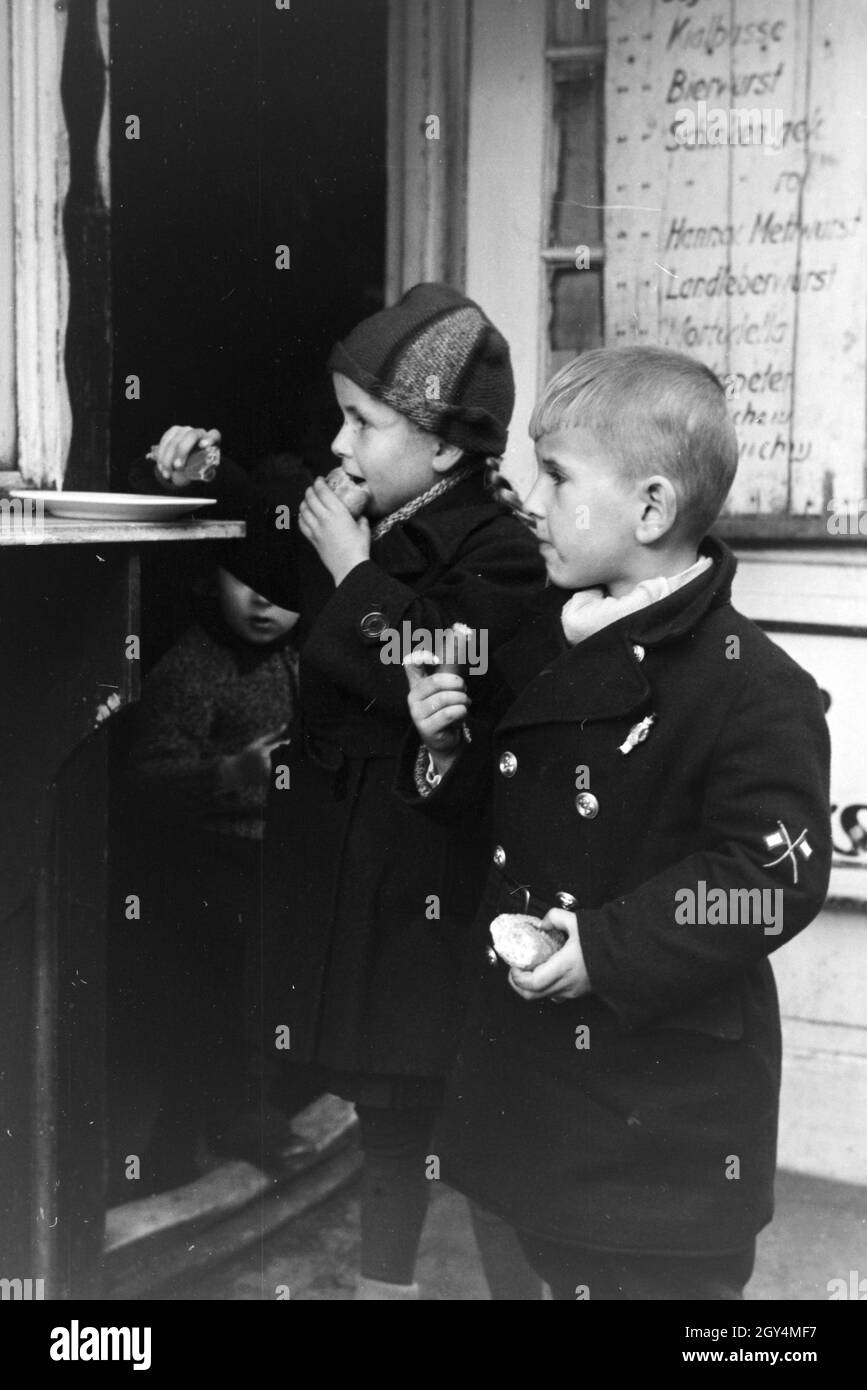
(820, 1233)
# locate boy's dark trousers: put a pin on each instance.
(575, 1273)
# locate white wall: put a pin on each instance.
(820, 975)
(505, 188)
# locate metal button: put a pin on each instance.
(587, 805)
(499, 856)
(508, 764)
(373, 625)
(566, 901)
(638, 652)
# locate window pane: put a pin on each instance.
(576, 216)
(575, 315)
(567, 25)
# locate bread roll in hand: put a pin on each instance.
(523, 942)
(354, 496)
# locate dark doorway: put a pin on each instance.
(259, 127)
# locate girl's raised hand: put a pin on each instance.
(175, 447)
(340, 541)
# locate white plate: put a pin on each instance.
(114, 506)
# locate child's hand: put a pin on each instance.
(563, 975)
(340, 541)
(175, 447)
(251, 768)
(438, 704)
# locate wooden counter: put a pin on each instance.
(56, 532)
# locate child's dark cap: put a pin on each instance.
(437, 359)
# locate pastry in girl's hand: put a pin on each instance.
(200, 467)
(453, 655)
(354, 496)
(456, 649)
(523, 942)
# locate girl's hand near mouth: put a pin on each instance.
(340, 541)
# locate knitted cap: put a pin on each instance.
(438, 360)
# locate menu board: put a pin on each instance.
(735, 176)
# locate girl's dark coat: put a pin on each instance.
(368, 903)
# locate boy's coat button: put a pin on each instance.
(373, 625)
(508, 764)
(638, 652)
(500, 857)
(566, 900)
(587, 805)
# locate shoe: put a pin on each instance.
(378, 1291)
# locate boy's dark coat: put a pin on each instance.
(656, 1129)
(368, 903)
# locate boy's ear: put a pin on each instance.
(658, 500)
(446, 456)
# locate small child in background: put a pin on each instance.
(212, 710)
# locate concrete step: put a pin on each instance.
(154, 1240)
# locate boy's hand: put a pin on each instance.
(438, 704)
(251, 768)
(563, 975)
(175, 447)
(340, 541)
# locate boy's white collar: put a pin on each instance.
(592, 609)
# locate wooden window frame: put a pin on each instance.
(563, 257)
